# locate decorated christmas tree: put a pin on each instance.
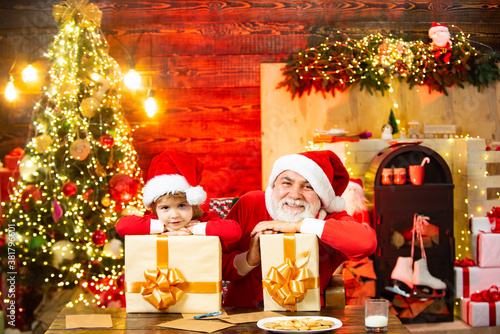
(79, 174)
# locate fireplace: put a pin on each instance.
(393, 210)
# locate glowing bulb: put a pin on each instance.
(151, 106)
(132, 79)
(30, 74)
(10, 91)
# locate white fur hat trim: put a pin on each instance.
(313, 173)
(168, 184)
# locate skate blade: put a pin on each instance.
(395, 289)
(427, 292)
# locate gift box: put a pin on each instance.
(290, 272)
(175, 274)
(12, 159)
(472, 279)
(480, 314)
(484, 245)
(488, 250)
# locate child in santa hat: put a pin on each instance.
(174, 196)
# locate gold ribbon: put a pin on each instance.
(163, 286)
(287, 284)
(160, 287)
(85, 14)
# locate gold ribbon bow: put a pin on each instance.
(287, 284)
(159, 289)
(85, 14)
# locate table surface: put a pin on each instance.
(352, 318)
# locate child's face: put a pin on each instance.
(174, 212)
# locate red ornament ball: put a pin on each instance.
(107, 141)
(99, 238)
(69, 189)
(122, 188)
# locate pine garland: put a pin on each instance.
(373, 61)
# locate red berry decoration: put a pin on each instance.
(122, 188)
(99, 238)
(69, 189)
(107, 141)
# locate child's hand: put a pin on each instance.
(181, 231)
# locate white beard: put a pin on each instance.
(291, 216)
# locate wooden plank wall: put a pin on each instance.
(203, 59)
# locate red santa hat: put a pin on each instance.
(435, 27)
(322, 169)
(358, 184)
(172, 172)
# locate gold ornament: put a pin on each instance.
(106, 201)
(85, 14)
(42, 143)
(89, 107)
(79, 149)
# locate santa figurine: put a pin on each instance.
(355, 201)
(441, 41)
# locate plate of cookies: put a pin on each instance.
(305, 324)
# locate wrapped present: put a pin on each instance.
(176, 274)
(488, 250)
(290, 272)
(483, 308)
(469, 280)
(12, 159)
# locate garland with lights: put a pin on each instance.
(373, 61)
(79, 174)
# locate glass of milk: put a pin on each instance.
(376, 315)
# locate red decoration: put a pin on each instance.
(107, 141)
(88, 195)
(489, 295)
(122, 188)
(30, 192)
(99, 238)
(69, 189)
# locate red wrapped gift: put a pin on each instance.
(12, 159)
(483, 308)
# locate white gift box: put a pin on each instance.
(279, 251)
(159, 269)
(480, 314)
(473, 279)
(484, 245)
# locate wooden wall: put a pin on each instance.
(203, 58)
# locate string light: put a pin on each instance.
(10, 91)
(132, 80)
(151, 106)
(29, 74)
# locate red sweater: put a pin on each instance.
(342, 238)
(227, 230)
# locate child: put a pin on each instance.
(173, 194)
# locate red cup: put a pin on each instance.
(417, 173)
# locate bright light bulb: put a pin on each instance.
(151, 106)
(30, 74)
(10, 91)
(132, 79)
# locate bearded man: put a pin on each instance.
(303, 196)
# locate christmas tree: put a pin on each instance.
(79, 174)
(392, 122)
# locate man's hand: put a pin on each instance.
(275, 226)
(253, 255)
